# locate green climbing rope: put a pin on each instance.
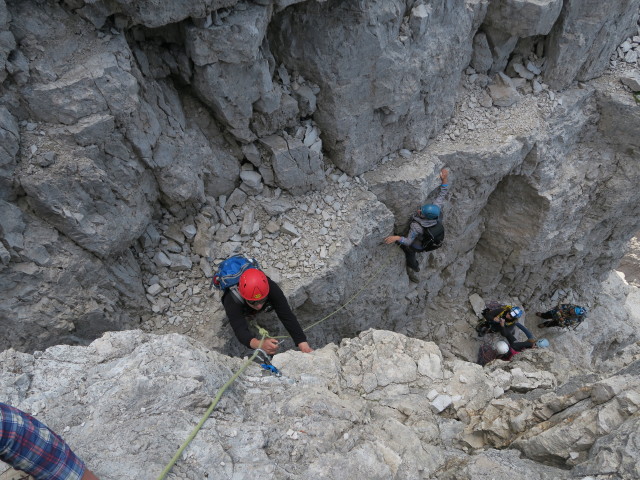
(195, 431)
(263, 333)
(353, 297)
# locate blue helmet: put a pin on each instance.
(430, 211)
(516, 312)
(580, 311)
(542, 343)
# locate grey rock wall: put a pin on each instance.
(141, 143)
(159, 141)
(54, 291)
(581, 41)
(380, 404)
(371, 102)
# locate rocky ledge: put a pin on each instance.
(378, 406)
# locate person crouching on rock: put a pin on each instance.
(564, 315)
(426, 232)
(256, 292)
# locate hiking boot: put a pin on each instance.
(412, 276)
(539, 314)
(542, 325)
(413, 266)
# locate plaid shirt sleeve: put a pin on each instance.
(28, 445)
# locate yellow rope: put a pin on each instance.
(352, 298)
(195, 431)
(263, 333)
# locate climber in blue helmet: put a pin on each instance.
(426, 231)
(564, 315)
(504, 320)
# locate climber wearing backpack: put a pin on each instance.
(426, 231)
(503, 319)
(564, 315)
(246, 292)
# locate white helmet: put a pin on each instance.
(501, 347)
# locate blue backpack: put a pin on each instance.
(230, 270)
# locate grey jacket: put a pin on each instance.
(419, 222)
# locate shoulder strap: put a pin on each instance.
(506, 309)
(435, 230)
(235, 294)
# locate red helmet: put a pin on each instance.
(253, 285)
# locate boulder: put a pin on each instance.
(523, 18)
(296, 168)
(580, 42)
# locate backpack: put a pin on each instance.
(230, 270)
(432, 237)
(568, 320)
(494, 305)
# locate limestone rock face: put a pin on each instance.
(523, 18)
(381, 403)
(142, 146)
(10, 136)
(580, 42)
(148, 13)
(7, 42)
(54, 291)
(379, 104)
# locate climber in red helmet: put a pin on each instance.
(256, 292)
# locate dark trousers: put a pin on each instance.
(508, 331)
(549, 316)
(410, 255)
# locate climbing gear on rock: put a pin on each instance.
(265, 362)
(430, 211)
(516, 312)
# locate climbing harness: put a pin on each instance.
(266, 365)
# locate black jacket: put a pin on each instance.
(237, 314)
